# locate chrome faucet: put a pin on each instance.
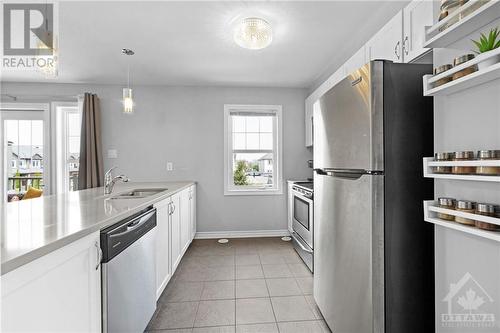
(109, 180)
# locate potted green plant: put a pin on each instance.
(487, 44)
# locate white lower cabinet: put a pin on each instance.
(176, 226)
(185, 219)
(59, 292)
(192, 210)
(163, 266)
(290, 207)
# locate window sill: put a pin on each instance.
(253, 192)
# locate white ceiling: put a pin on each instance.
(190, 43)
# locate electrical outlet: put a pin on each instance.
(112, 153)
(170, 166)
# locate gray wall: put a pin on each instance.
(185, 125)
(468, 120)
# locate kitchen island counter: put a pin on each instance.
(33, 228)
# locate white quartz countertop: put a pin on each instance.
(32, 228)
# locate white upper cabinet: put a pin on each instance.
(358, 60)
(416, 16)
(387, 42)
(309, 123)
(312, 102)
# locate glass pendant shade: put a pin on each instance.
(128, 102)
(253, 33)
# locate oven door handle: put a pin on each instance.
(298, 241)
(299, 195)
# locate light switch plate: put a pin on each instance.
(170, 166)
(112, 153)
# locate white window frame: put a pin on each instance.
(229, 188)
(28, 111)
(60, 143)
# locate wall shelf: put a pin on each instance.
(430, 215)
(465, 82)
(429, 163)
(482, 15)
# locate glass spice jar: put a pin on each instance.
(466, 207)
(466, 71)
(484, 155)
(448, 203)
(463, 156)
(486, 210)
(442, 69)
(441, 157)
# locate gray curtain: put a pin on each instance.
(91, 173)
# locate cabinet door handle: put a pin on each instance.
(406, 45)
(99, 255)
(396, 49)
(169, 208)
(173, 208)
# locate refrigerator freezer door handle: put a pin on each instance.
(346, 173)
(320, 172)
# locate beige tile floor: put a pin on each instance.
(248, 285)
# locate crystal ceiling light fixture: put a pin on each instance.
(128, 102)
(253, 33)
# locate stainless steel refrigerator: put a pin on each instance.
(374, 254)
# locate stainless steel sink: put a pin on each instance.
(139, 193)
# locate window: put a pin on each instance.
(252, 149)
(23, 148)
(68, 124)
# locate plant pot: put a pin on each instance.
(482, 64)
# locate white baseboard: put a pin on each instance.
(241, 234)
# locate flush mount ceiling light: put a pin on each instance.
(128, 101)
(253, 33)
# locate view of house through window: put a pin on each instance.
(25, 142)
(69, 121)
(24, 153)
(73, 125)
(252, 137)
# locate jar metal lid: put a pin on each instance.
(463, 58)
(488, 154)
(442, 68)
(446, 4)
(485, 208)
(464, 154)
(442, 15)
(446, 201)
(443, 156)
(465, 204)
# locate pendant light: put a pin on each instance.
(128, 101)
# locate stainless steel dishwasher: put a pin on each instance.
(128, 273)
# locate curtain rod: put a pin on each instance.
(24, 97)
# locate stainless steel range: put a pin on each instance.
(302, 224)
